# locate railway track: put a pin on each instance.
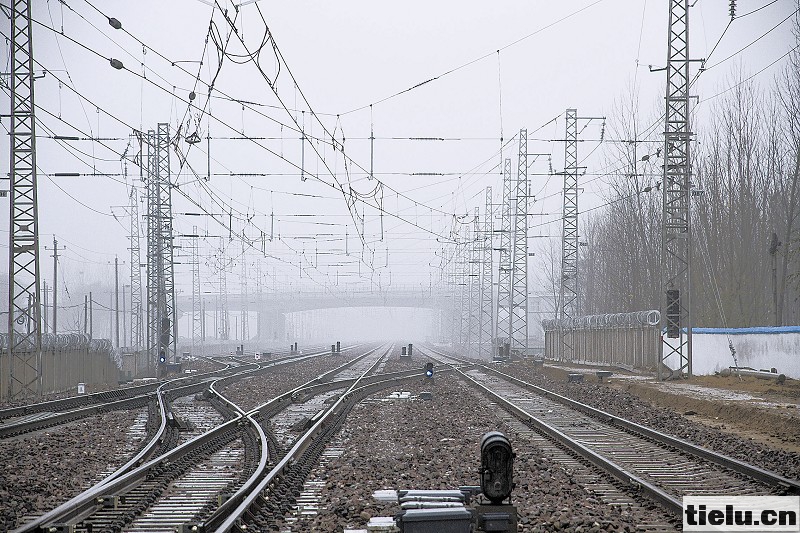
(197, 476)
(282, 490)
(18, 420)
(23, 419)
(162, 426)
(641, 459)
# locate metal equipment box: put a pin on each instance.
(441, 520)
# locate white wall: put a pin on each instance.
(759, 348)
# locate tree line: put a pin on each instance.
(745, 212)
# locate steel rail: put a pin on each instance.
(83, 504)
(250, 493)
(26, 426)
(673, 504)
(106, 401)
(765, 476)
(148, 448)
(72, 402)
(225, 509)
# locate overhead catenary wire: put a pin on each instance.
(223, 123)
(316, 177)
(501, 117)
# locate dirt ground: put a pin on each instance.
(749, 407)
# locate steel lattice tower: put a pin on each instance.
(136, 274)
(259, 298)
(452, 278)
(162, 327)
(486, 325)
(568, 292)
(568, 289)
(245, 310)
(676, 228)
(152, 248)
(475, 253)
(24, 318)
(519, 258)
(197, 318)
(224, 327)
(463, 272)
(504, 269)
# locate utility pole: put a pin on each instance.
(86, 314)
(463, 272)
(504, 268)
(91, 315)
(774, 243)
(45, 290)
(676, 310)
(55, 285)
(124, 321)
(245, 310)
(197, 326)
(24, 319)
(519, 257)
(224, 323)
(116, 301)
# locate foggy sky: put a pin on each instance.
(345, 56)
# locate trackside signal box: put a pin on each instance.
(436, 520)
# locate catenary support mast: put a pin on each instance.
(676, 308)
(24, 356)
(503, 334)
(519, 265)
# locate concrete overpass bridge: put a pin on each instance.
(267, 312)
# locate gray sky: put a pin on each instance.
(345, 56)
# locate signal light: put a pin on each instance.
(497, 461)
(428, 370)
(162, 357)
(673, 313)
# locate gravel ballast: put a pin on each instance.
(634, 408)
(416, 444)
(45, 469)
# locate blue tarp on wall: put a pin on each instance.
(746, 331)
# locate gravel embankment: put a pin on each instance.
(627, 405)
(256, 390)
(42, 470)
(435, 445)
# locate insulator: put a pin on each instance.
(114, 23)
(117, 64)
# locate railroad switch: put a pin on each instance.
(59, 528)
(108, 502)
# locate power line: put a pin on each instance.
(468, 63)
